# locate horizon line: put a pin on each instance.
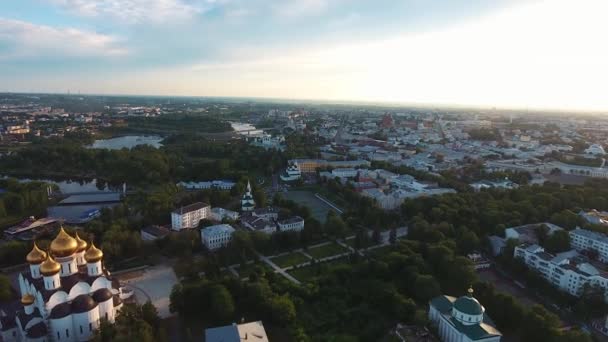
(373, 103)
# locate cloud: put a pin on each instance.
(294, 8)
(26, 40)
(136, 11)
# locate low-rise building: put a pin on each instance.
(259, 224)
(292, 224)
(189, 216)
(585, 240)
(154, 232)
(253, 331)
(218, 214)
(528, 232)
(214, 184)
(568, 271)
(268, 213)
(311, 165)
(486, 184)
(497, 244)
(479, 261)
(594, 216)
(218, 236)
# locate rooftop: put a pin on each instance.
(217, 229)
(191, 207)
(590, 234)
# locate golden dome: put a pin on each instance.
(63, 245)
(93, 254)
(36, 255)
(49, 267)
(27, 299)
(82, 245)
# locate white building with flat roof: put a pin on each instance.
(217, 236)
(292, 224)
(595, 217)
(189, 216)
(583, 240)
(218, 214)
(527, 232)
(595, 149)
(568, 271)
(253, 331)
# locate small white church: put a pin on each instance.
(462, 319)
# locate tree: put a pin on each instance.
(426, 287)
(335, 226)
(5, 288)
(558, 242)
(129, 326)
(376, 236)
(393, 236)
(221, 303)
(150, 314)
(542, 233)
(539, 325)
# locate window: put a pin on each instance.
(106, 316)
(67, 333)
(58, 336)
(81, 329)
(91, 326)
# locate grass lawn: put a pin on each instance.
(326, 250)
(380, 251)
(308, 273)
(290, 259)
(245, 270)
(350, 242)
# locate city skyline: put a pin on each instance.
(522, 54)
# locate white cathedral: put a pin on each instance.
(65, 294)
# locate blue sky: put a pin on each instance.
(480, 52)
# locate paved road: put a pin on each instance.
(277, 269)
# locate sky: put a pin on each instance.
(492, 53)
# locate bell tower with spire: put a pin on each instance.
(247, 203)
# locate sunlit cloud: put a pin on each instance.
(135, 11)
(27, 40)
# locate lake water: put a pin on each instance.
(128, 141)
(74, 186)
(241, 127)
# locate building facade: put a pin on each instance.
(584, 240)
(292, 224)
(189, 216)
(292, 173)
(462, 319)
(218, 236)
(65, 294)
(568, 271)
